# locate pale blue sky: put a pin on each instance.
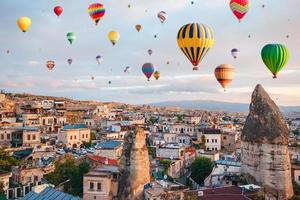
(23, 70)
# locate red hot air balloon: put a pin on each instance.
(239, 8)
(58, 10)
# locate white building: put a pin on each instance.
(212, 139)
(74, 135)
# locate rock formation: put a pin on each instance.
(135, 166)
(265, 155)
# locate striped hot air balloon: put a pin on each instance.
(239, 8)
(275, 57)
(50, 64)
(71, 37)
(224, 74)
(148, 70)
(156, 75)
(195, 40)
(96, 12)
(235, 53)
(162, 16)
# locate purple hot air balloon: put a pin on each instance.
(70, 61)
(99, 59)
(235, 53)
(148, 70)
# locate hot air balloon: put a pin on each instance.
(239, 8)
(70, 61)
(195, 40)
(156, 75)
(275, 57)
(148, 70)
(114, 37)
(127, 69)
(235, 53)
(50, 64)
(93, 78)
(138, 27)
(99, 59)
(96, 12)
(224, 74)
(109, 82)
(24, 23)
(58, 10)
(150, 52)
(71, 37)
(162, 16)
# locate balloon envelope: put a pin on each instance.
(24, 23)
(148, 70)
(162, 16)
(224, 74)
(150, 52)
(156, 75)
(99, 59)
(235, 53)
(71, 37)
(96, 12)
(70, 61)
(195, 40)
(138, 27)
(58, 10)
(239, 8)
(114, 37)
(275, 57)
(50, 64)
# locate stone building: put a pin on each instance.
(265, 155)
(74, 135)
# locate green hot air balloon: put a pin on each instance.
(71, 37)
(275, 57)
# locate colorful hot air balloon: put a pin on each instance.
(156, 75)
(148, 70)
(58, 10)
(71, 37)
(70, 61)
(275, 57)
(138, 27)
(224, 74)
(150, 52)
(96, 12)
(239, 8)
(195, 40)
(114, 37)
(24, 23)
(99, 59)
(50, 64)
(235, 53)
(162, 16)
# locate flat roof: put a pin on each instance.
(110, 144)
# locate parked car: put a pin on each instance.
(91, 150)
(60, 151)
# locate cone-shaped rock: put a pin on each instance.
(265, 123)
(265, 155)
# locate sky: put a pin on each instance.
(24, 68)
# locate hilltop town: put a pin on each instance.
(93, 150)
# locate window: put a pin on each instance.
(224, 138)
(8, 136)
(91, 186)
(298, 178)
(33, 137)
(71, 137)
(2, 137)
(28, 137)
(207, 140)
(216, 141)
(74, 137)
(87, 135)
(99, 186)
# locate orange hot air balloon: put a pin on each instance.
(50, 64)
(156, 75)
(138, 27)
(224, 74)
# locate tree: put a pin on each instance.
(201, 168)
(153, 120)
(203, 142)
(6, 161)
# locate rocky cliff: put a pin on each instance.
(265, 155)
(135, 166)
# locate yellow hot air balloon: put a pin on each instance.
(195, 40)
(24, 23)
(224, 74)
(114, 37)
(156, 75)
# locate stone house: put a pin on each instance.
(4, 178)
(109, 149)
(74, 135)
(101, 183)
